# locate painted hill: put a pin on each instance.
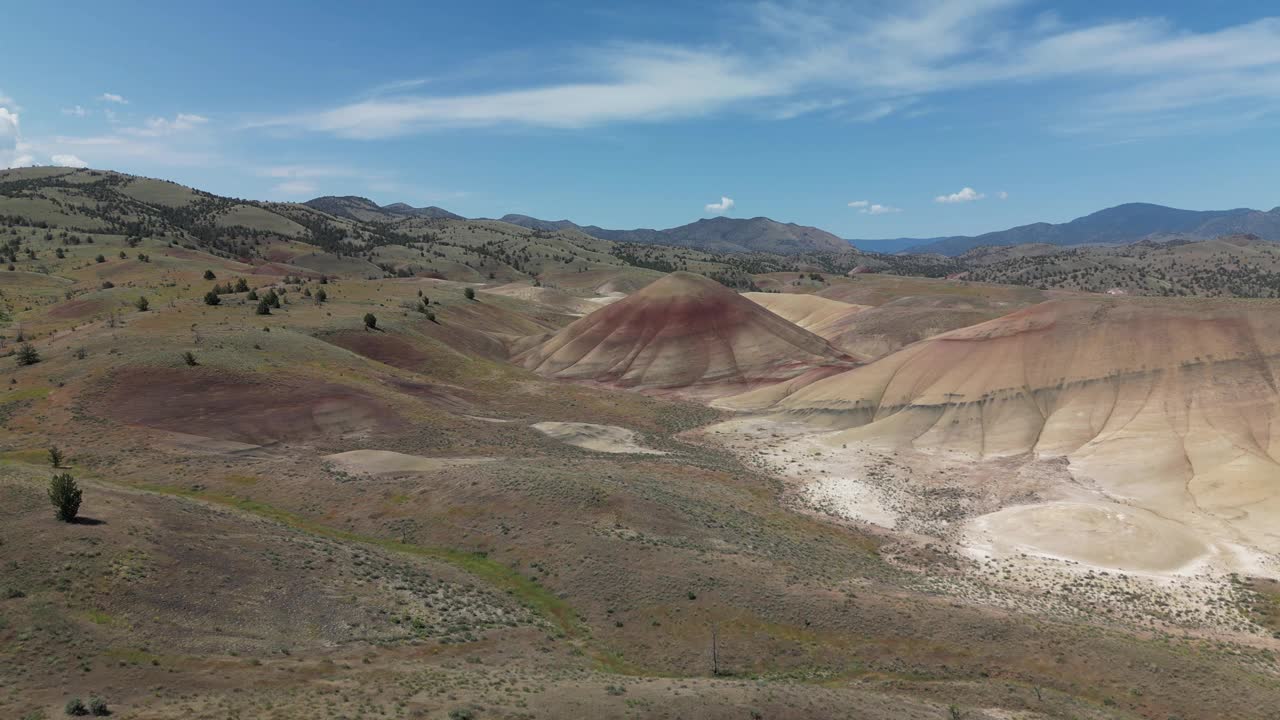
(1118, 225)
(1168, 404)
(720, 234)
(682, 332)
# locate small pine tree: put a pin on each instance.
(58, 252)
(253, 295)
(27, 354)
(242, 285)
(211, 298)
(142, 304)
(273, 299)
(65, 496)
(469, 293)
(370, 321)
(208, 275)
(321, 295)
(100, 259)
(264, 307)
(55, 457)
(189, 358)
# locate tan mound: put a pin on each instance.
(550, 298)
(683, 331)
(384, 462)
(831, 320)
(243, 409)
(810, 312)
(601, 438)
(1169, 404)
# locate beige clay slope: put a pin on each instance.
(682, 331)
(830, 320)
(1167, 404)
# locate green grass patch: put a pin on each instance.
(500, 576)
(31, 393)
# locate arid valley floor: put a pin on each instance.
(557, 476)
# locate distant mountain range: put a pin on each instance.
(1119, 225)
(719, 234)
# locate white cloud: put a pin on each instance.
(1002, 195)
(13, 151)
(113, 98)
(966, 194)
(68, 161)
(866, 207)
(76, 111)
(724, 206)
(795, 58)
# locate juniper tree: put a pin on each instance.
(65, 495)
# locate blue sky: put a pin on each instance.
(869, 119)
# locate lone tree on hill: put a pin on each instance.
(27, 354)
(321, 295)
(142, 304)
(469, 293)
(370, 322)
(65, 496)
(211, 298)
(208, 275)
(55, 457)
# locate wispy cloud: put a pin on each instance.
(113, 98)
(964, 195)
(719, 208)
(798, 58)
(295, 189)
(75, 111)
(158, 126)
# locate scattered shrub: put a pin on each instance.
(370, 321)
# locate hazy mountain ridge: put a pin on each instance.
(1122, 224)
